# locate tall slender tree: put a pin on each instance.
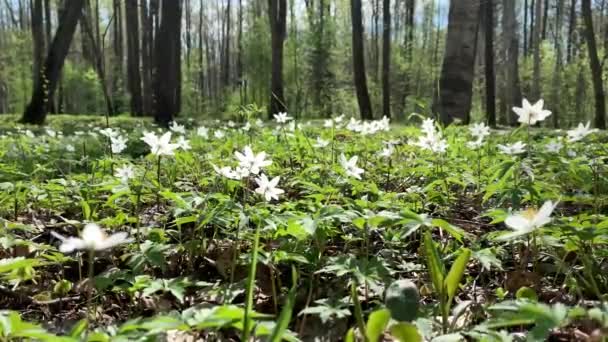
(457, 72)
(511, 56)
(365, 106)
(37, 38)
(35, 113)
(490, 77)
(133, 57)
(277, 14)
(537, 33)
(594, 64)
(167, 63)
(386, 58)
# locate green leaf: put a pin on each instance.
(376, 323)
(350, 335)
(456, 272)
(405, 332)
(287, 311)
(434, 263)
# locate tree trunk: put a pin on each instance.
(488, 16)
(117, 70)
(557, 74)
(596, 69)
(226, 53)
(457, 73)
(365, 106)
(168, 63)
(513, 95)
(35, 113)
(133, 57)
(37, 39)
(386, 58)
(146, 57)
(571, 28)
(277, 12)
(537, 49)
(525, 27)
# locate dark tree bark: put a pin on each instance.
(571, 29)
(596, 68)
(277, 13)
(133, 57)
(386, 58)
(48, 21)
(168, 63)
(35, 113)
(457, 73)
(525, 27)
(117, 69)
(146, 57)
(513, 95)
(557, 73)
(37, 39)
(226, 53)
(490, 77)
(537, 33)
(365, 106)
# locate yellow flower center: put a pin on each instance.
(529, 213)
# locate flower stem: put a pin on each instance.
(91, 313)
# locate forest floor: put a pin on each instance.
(335, 230)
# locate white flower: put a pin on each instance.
(268, 188)
(177, 128)
(321, 143)
(183, 143)
(387, 151)
(259, 123)
(108, 132)
(203, 132)
(51, 133)
(339, 119)
(475, 144)
(512, 149)
(571, 153)
(92, 237)
(529, 220)
(225, 171)
(160, 146)
(329, 123)
(479, 130)
(251, 161)
(231, 124)
(29, 133)
(125, 173)
(292, 126)
(555, 146)
(219, 134)
(247, 127)
(350, 166)
(580, 132)
(118, 144)
(428, 126)
(531, 114)
(282, 118)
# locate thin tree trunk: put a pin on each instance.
(37, 39)
(277, 12)
(146, 57)
(35, 113)
(457, 72)
(133, 57)
(537, 93)
(594, 63)
(557, 74)
(571, 28)
(386, 59)
(365, 106)
(488, 16)
(511, 44)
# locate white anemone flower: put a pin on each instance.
(580, 132)
(350, 166)
(529, 220)
(531, 114)
(252, 161)
(268, 188)
(118, 144)
(321, 143)
(124, 173)
(282, 118)
(554, 146)
(203, 132)
(479, 130)
(92, 238)
(512, 149)
(160, 146)
(183, 143)
(219, 134)
(177, 128)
